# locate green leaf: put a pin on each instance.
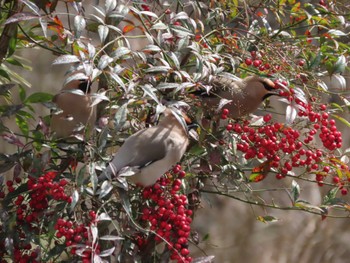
(66, 59)
(12, 45)
(21, 17)
(149, 90)
(79, 25)
(295, 192)
(14, 62)
(120, 116)
(75, 200)
(4, 74)
(329, 198)
(22, 124)
(267, 219)
(103, 32)
(81, 176)
(4, 88)
(22, 93)
(39, 97)
(119, 52)
(341, 119)
(106, 188)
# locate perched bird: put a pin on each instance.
(76, 110)
(152, 150)
(240, 97)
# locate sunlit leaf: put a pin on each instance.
(66, 59)
(107, 252)
(128, 28)
(267, 219)
(38, 97)
(295, 191)
(75, 200)
(106, 188)
(120, 116)
(103, 31)
(119, 52)
(149, 90)
(291, 114)
(79, 25)
(104, 61)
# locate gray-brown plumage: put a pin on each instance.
(245, 95)
(75, 111)
(152, 150)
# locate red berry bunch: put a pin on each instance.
(286, 148)
(224, 114)
(166, 212)
(256, 60)
(77, 234)
(31, 207)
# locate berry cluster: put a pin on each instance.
(30, 209)
(165, 211)
(256, 60)
(286, 148)
(75, 234)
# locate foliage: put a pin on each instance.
(54, 209)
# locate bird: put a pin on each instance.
(152, 150)
(240, 97)
(75, 110)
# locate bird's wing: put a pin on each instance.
(141, 149)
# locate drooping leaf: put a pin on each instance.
(111, 238)
(119, 52)
(21, 17)
(106, 188)
(75, 200)
(103, 31)
(107, 252)
(267, 219)
(104, 61)
(79, 25)
(120, 116)
(66, 59)
(4, 88)
(291, 114)
(207, 259)
(149, 90)
(39, 97)
(295, 191)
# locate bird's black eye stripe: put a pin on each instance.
(267, 86)
(85, 86)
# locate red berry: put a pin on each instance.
(248, 61)
(344, 191)
(225, 111)
(301, 63)
(257, 63)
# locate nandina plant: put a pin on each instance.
(53, 208)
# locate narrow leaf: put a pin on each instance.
(150, 92)
(21, 17)
(103, 32)
(66, 59)
(39, 97)
(295, 192)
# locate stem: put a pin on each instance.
(273, 206)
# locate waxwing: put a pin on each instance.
(240, 97)
(75, 110)
(153, 151)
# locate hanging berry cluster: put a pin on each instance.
(165, 212)
(31, 207)
(286, 148)
(76, 236)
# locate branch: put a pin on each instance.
(8, 32)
